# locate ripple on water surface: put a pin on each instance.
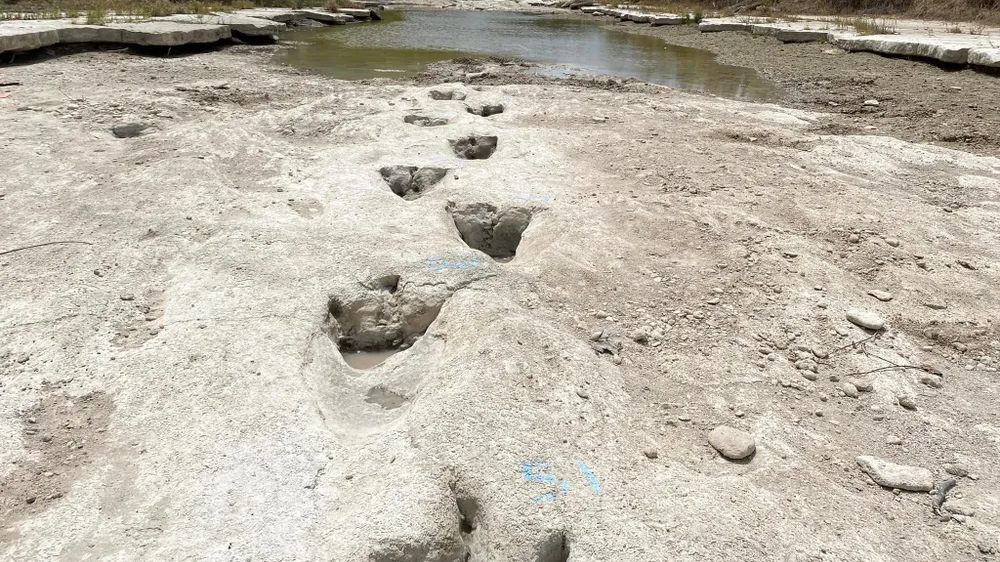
(405, 42)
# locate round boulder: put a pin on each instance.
(732, 443)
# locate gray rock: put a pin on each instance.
(325, 17)
(936, 305)
(960, 507)
(870, 103)
(651, 453)
(893, 440)
(732, 443)
(849, 390)
(930, 380)
(891, 475)
(866, 319)
(128, 130)
(640, 336)
(884, 296)
(861, 384)
(957, 470)
(448, 93)
(357, 13)
(907, 402)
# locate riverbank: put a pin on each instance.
(188, 243)
(916, 101)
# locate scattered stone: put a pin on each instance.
(960, 507)
(684, 417)
(807, 365)
(713, 300)
(651, 453)
(966, 264)
(849, 390)
(884, 296)
(640, 336)
(956, 470)
(861, 384)
(894, 242)
(897, 476)
(22, 358)
(30, 500)
(893, 440)
(870, 103)
(865, 319)
(732, 443)
(930, 380)
(452, 93)
(582, 393)
(128, 130)
(854, 239)
(809, 375)
(907, 402)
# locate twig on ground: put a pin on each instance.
(855, 344)
(888, 368)
(5, 84)
(5, 252)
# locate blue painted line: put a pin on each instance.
(595, 484)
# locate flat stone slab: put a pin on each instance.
(985, 57)
(714, 26)
(357, 13)
(953, 50)
(891, 475)
(238, 23)
(26, 36)
(802, 35)
(666, 19)
(282, 15)
(325, 17)
(171, 34)
(29, 35)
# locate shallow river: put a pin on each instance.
(406, 41)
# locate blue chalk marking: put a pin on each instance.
(535, 472)
(531, 472)
(440, 264)
(595, 485)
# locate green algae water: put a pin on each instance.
(405, 42)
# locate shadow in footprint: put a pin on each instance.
(486, 110)
(474, 147)
(410, 182)
(425, 121)
(384, 319)
(494, 232)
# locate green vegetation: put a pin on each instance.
(96, 16)
(867, 25)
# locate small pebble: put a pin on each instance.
(651, 453)
(907, 402)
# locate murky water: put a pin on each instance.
(406, 41)
(363, 360)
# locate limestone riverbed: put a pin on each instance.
(625, 323)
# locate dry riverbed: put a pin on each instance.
(171, 386)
